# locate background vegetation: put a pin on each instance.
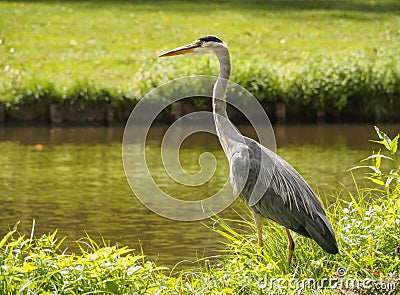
(340, 56)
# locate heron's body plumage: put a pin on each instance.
(282, 193)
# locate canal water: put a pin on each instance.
(72, 179)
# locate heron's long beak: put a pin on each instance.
(181, 50)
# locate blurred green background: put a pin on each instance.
(329, 54)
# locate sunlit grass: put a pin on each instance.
(319, 52)
(34, 266)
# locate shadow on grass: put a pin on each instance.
(381, 6)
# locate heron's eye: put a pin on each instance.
(199, 43)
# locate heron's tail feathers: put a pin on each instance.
(321, 232)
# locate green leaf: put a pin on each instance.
(377, 156)
(395, 142)
(385, 139)
(112, 287)
(378, 162)
(5, 238)
(133, 269)
(8, 235)
(373, 168)
(381, 135)
(374, 180)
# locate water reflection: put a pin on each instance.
(76, 183)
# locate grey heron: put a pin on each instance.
(284, 195)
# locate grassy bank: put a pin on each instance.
(341, 56)
(366, 223)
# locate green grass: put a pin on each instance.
(320, 53)
(366, 224)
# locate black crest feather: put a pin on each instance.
(210, 38)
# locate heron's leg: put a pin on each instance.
(258, 221)
(290, 246)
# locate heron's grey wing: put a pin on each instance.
(239, 169)
(274, 189)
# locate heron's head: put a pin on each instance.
(207, 44)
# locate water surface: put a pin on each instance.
(74, 182)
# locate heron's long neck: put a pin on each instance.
(226, 131)
(219, 103)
